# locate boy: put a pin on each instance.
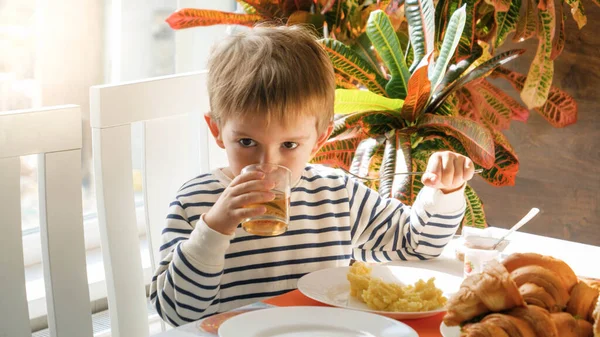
(271, 95)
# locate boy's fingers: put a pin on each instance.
(431, 176)
(469, 169)
(248, 176)
(252, 198)
(250, 186)
(243, 213)
(447, 171)
(459, 170)
(433, 166)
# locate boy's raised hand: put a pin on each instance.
(448, 171)
(245, 189)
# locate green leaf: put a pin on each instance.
(506, 22)
(419, 91)
(527, 24)
(375, 166)
(539, 79)
(451, 39)
(362, 46)
(559, 110)
(362, 157)
(388, 167)
(474, 214)
(384, 39)
(578, 12)
(476, 139)
(247, 8)
(467, 42)
(372, 123)
(449, 107)
(558, 44)
(421, 27)
(480, 71)
(455, 71)
(350, 101)
(190, 17)
(347, 62)
(396, 158)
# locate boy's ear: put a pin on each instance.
(323, 137)
(214, 129)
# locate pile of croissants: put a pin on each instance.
(527, 295)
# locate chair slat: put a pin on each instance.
(13, 299)
(118, 231)
(63, 248)
(39, 131)
(126, 103)
(170, 156)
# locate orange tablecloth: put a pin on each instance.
(425, 327)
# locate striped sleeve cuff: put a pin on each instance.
(206, 247)
(434, 201)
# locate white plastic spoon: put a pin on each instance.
(533, 212)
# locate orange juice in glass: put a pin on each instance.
(277, 217)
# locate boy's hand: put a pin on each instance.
(448, 171)
(245, 189)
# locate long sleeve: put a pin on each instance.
(386, 230)
(186, 284)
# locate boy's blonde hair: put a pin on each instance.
(271, 73)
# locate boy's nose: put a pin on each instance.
(269, 157)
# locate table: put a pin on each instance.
(582, 259)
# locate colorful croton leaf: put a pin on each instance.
(560, 109)
(539, 79)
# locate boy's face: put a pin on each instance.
(251, 141)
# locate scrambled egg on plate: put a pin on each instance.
(383, 296)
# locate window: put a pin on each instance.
(52, 52)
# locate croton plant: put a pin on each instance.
(413, 76)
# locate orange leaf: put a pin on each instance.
(494, 112)
(559, 110)
(475, 138)
(419, 91)
(338, 153)
(501, 5)
(190, 17)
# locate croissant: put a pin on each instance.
(491, 290)
(536, 295)
(583, 299)
(498, 325)
(527, 295)
(597, 320)
(530, 321)
(546, 279)
(559, 267)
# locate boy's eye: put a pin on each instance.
(290, 145)
(246, 142)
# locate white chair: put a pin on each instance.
(175, 147)
(54, 134)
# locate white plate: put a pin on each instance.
(330, 286)
(449, 331)
(313, 322)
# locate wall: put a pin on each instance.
(559, 168)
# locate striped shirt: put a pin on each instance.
(333, 218)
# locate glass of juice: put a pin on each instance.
(277, 217)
